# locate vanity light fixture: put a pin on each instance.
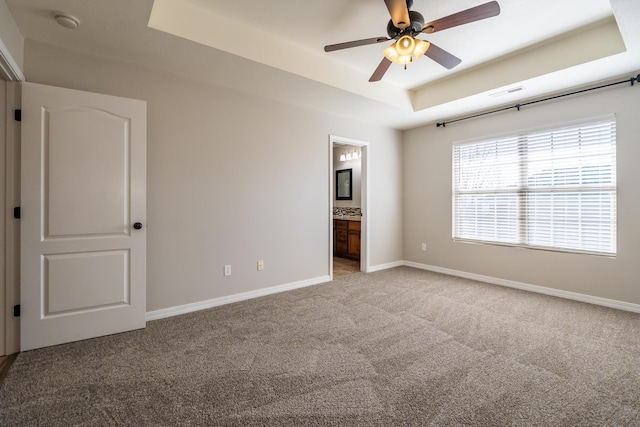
(351, 155)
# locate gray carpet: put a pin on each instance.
(396, 347)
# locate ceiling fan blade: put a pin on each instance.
(442, 57)
(477, 13)
(379, 72)
(363, 42)
(399, 13)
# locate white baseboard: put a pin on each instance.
(379, 267)
(202, 305)
(620, 305)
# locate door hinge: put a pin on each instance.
(16, 212)
(17, 115)
(16, 310)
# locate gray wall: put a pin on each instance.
(233, 178)
(427, 201)
(10, 35)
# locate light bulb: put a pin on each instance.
(421, 48)
(405, 45)
(342, 157)
(348, 156)
(390, 53)
(402, 51)
(404, 59)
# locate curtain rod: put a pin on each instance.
(632, 80)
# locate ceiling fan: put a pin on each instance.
(405, 25)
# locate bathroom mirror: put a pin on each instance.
(343, 184)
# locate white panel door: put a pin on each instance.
(83, 209)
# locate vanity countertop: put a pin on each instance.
(348, 217)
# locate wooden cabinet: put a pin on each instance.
(346, 239)
(353, 240)
(340, 237)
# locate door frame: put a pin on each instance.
(364, 203)
(12, 74)
(11, 199)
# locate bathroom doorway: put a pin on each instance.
(349, 219)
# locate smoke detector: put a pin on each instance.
(66, 20)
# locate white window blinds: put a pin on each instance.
(552, 189)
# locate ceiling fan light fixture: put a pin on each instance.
(421, 48)
(405, 45)
(391, 53)
(400, 53)
(405, 59)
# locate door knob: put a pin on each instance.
(137, 225)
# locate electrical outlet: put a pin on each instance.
(424, 246)
(227, 270)
(260, 265)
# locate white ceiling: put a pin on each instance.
(274, 49)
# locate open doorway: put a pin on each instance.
(348, 207)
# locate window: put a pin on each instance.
(550, 189)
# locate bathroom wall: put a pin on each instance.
(356, 175)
